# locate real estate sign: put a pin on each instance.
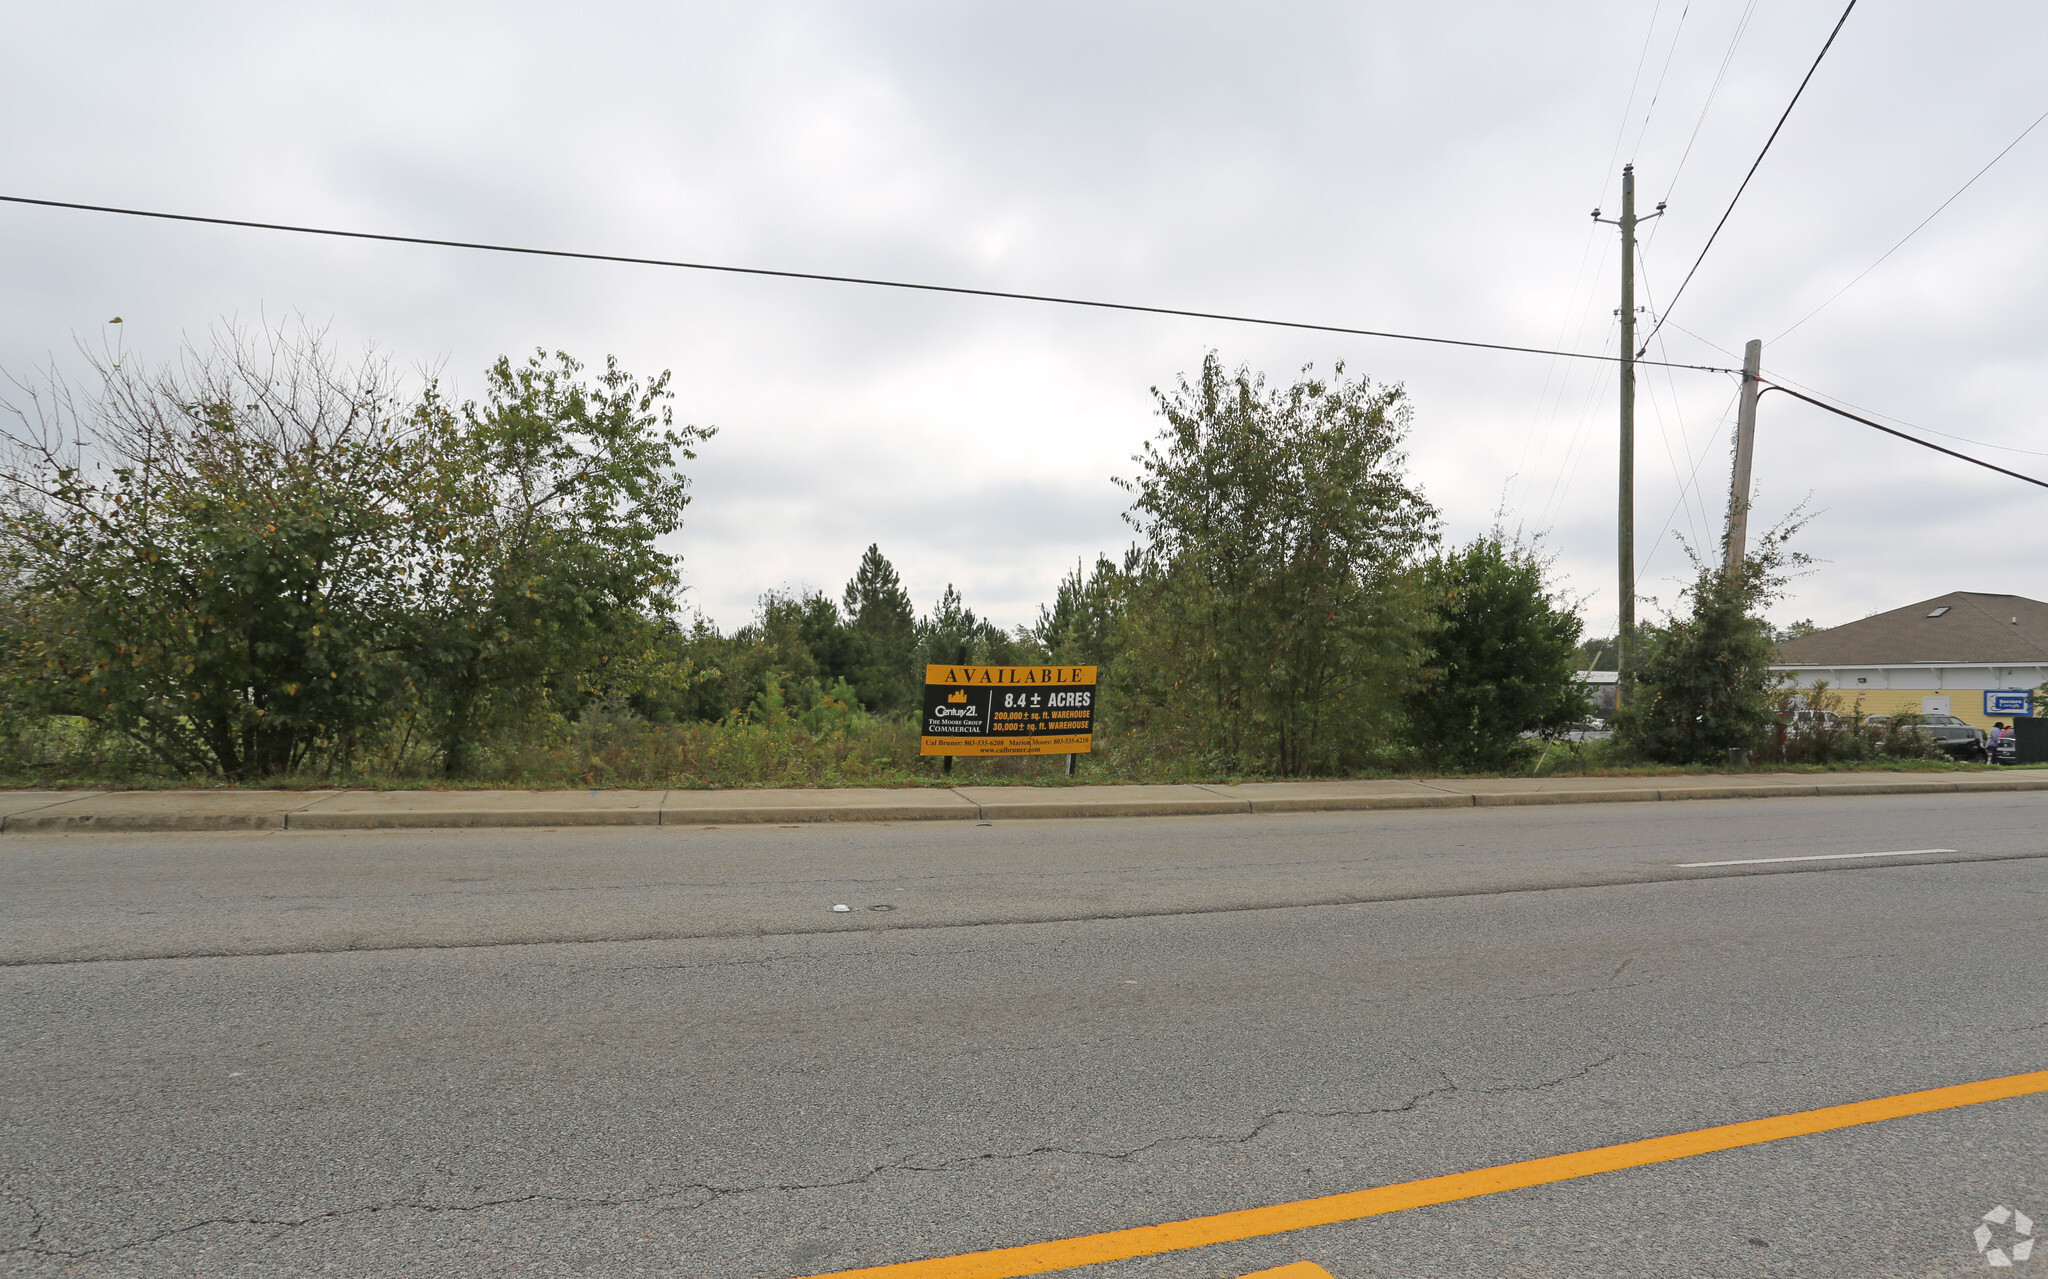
(1008, 710)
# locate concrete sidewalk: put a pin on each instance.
(60, 811)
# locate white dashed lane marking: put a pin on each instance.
(1817, 857)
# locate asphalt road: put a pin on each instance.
(659, 1052)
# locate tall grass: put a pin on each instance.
(607, 749)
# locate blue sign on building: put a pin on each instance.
(2008, 701)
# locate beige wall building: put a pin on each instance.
(1940, 656)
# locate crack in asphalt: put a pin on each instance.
(279, 1225)
(706, 1193)
(36, 1216)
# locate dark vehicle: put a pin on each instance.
(1956, 739)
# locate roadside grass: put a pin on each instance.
(613, 753)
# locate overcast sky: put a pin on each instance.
(1422, 168)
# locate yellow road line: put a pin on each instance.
(1249, 1223)
(1299, 1270)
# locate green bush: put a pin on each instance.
(1704, 686)
(261, 561)
(1502, 658)
(64, 748)
(1848, 738)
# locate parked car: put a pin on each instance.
(1805, 721)
(1955, 738)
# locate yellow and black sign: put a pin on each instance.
(1008, 710)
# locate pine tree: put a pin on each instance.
(952, 633)
(884, 635)
(1079, 626)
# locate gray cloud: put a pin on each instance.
(1389, 166)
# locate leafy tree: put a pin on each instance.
(774, 649)
(1503, 651)
(1703, 687)
(883, 650)
(202, 558)
(539, 569)
(792, 653)
(1272, 620)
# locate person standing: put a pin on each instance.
(1991, 741)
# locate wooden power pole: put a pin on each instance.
(1625, 548)
(1745, 449)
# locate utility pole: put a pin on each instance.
(1745, 449)
(1624, 641)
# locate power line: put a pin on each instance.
(1692, 484)
(1911, 439)
(1658, 92)
(1541, 443)
(1707, 341)
(1574, 453)
(1686, 483)
(830, 279)
(1628, 108)
(1712, 92)
(1753, 168)
(1916, 230)
(1772, 375)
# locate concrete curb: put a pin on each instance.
(762, 814)
(170, 812)
(79, 823)
(1735, 792)
(469, 819)
(1035, 809)
(1358, 803)
(1641, 795)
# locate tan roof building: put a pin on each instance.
(1947, 655)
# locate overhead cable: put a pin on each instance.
(1911, 439)
(1916, 230)
(1713, 92)
(836, 279)
(1628, 108)
(1658, 92)
(1752, 170)
(1772, 375)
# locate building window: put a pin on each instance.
(1938, 612)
